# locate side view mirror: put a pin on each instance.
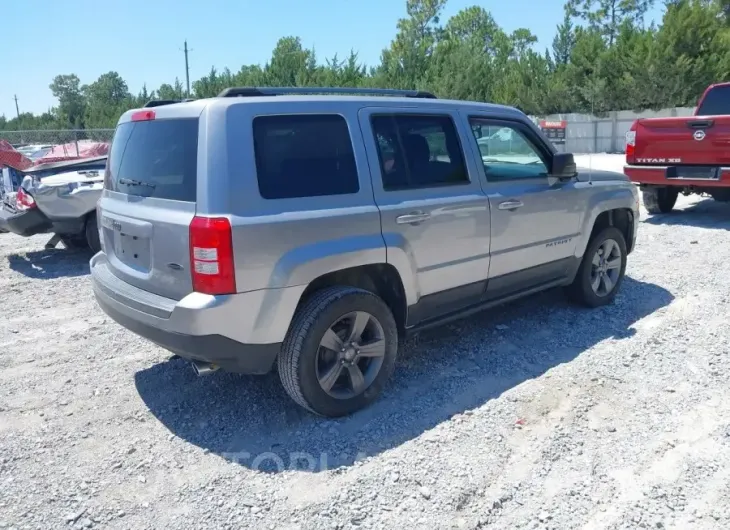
(564, 167)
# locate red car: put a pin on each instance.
(666, 156)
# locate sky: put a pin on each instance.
(143, 39)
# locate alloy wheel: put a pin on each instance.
(606, 267)
(350, 355)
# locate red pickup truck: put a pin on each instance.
(666, 156)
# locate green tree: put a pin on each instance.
(694, 49)
(144, 96)
(724, 7)
(175, 91)
(250, 75)
(607, 15)
(106, 98)
(404, 63)
(564, 40)
(290, 63)
(522, 40)
(71, 101)
(586, 72)
(475, 26)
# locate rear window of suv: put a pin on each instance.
(301, 155)
(716, 102)
(156, 158)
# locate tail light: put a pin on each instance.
(631, 143)
(23, 201)
(211, 255)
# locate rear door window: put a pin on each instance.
(418, 151)
(301, 155)
(716, 102)
(156, 158)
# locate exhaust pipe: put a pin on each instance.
(202, 368)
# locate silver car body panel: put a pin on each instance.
(68, 195)
(451, 247)
(287, 242)
(281, 246)
(248, 318)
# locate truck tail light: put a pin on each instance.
(631, 143)
(211, 255)
(23, 201)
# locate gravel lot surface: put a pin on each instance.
(535, 415)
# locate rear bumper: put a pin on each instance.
(215, 329)
(656, 176)
(27, 223)
(230, 355)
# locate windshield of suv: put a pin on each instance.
(716, 102)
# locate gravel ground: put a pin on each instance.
(536, 415)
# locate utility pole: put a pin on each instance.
(17, 109)
(187, 69)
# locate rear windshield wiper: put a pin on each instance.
(132, 182)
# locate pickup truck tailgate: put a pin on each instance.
(694, 140)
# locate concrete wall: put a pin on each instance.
(591, 134)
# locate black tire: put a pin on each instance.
(92, 233)
(659, 199)
(581, 291)
(297, 362)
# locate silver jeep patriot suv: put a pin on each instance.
(313, 229)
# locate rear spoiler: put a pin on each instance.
(70, 165)
(160, 102)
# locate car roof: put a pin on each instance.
(194, 108)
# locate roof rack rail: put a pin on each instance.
(279, 91)
(160, 102)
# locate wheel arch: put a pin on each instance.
(381, 279)
(621, 218)
(609, 207)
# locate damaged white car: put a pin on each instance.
(57, 198)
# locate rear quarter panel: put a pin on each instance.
(285, 242)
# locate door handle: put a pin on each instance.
(510, 205)
(412, 218)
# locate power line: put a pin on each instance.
(17, 109)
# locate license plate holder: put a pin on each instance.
(693, 173)
(131, 249)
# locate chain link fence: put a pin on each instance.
(71, 139)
